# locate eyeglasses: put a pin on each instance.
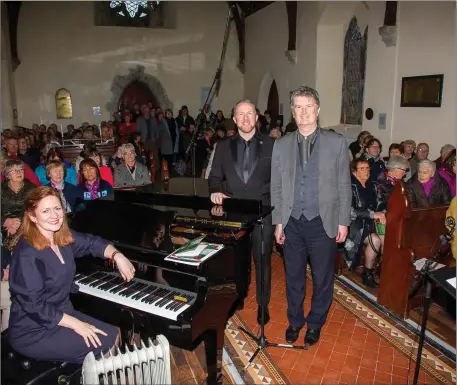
(17, 170)
(364, 168)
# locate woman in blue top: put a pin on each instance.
(43, 323)
(55, 153)
(92, 186)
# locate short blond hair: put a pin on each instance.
(53, 164)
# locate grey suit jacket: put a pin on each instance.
(334, 182)
(142, 128)
(123, 177)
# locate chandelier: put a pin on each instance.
(133, 7)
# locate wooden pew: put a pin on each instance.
(71, 152)
(410, 234)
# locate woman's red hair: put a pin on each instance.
(30, 231)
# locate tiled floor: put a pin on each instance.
(347, 353)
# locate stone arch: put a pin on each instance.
(264, 91)
(137, 74)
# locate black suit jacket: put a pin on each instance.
(225, 169)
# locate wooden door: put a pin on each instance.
(273, 101)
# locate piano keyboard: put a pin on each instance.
(150, 297)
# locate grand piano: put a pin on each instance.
(187, 304)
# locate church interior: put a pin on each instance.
(80, 81)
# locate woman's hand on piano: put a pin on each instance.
(217, 198)
(124, 266)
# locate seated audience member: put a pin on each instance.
(447, 171)
(422, 152)
(276, 133)
(397, 167)
(5, 300)
(365, 140)
(373, 149)
(55, 171)
(409, 148)
(444, 152)
(116, 159)
(92, 186)
(358, 145)
(131, 172)
(394, 149)
(451, 213)
(43, 323)
(105, 171)
(429, 189)
(55, 153)
(14, 191)
(28, 157)
(11, 146)
(367, 208)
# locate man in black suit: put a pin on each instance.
(243, 162)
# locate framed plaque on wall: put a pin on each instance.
(421, 91)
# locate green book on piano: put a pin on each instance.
(205, 250)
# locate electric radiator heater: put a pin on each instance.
(149, 365)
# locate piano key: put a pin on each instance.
(154, 293)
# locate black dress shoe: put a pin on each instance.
(292, 334)
(259, 315)
(312, 336)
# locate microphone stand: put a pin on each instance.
(217, 78)
(262, 341)
(426, 271)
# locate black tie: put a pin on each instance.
(303, 149)
(246, 161)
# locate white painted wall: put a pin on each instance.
(60, 47)
(7, 103)
(425, 45)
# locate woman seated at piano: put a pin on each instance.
(429, 188)
(131, 172)
(92, 186)
(43, 323)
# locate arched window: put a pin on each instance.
(355, 56)
(63, 104)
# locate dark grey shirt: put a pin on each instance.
(305, 146)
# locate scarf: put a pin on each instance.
(427, 186)
(59, 187)
(393, 181)
(93, 189)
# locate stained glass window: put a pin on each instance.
(355, 55)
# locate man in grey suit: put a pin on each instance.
(311, 196)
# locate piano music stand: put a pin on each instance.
(439, 277)
(262, 341)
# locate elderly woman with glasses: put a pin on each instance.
(55, 171)
(367, 208)
(131, 172)
(92, 186)
(397, 167)
(429, 188)
(14, 191)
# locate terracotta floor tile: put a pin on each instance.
(347, 378)
(311, 379)
(351, 368)
(355, 352)
(335, 365)
(364, 381)
(350, 320)
(331, 377)
(321, 360)
(296, 377)
(287, 363)
(380, 383)
(341, 348)
(367, 373)
(398, 380)
(325, 346)
(383, 367)
(302, 367)
(316, 370)
(373, 354)
(387, 359)
(400, 371)
(386, 350)
(357, 344)
(344, 340)
(327, 338)
(383, 377)
(336, 356)
(359, 337)
(373, 339)
(360, 330)
(368, 362)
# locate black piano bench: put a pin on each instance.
(20, 370)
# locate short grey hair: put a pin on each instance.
(304, 91)
(127, 147)
(426, 163)
(447, 148)
(397, 161)
(423, 144)
(11, 164)
(248, 101)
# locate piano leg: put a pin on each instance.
(214, 343)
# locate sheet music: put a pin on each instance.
(421, 262)
(451, 281)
